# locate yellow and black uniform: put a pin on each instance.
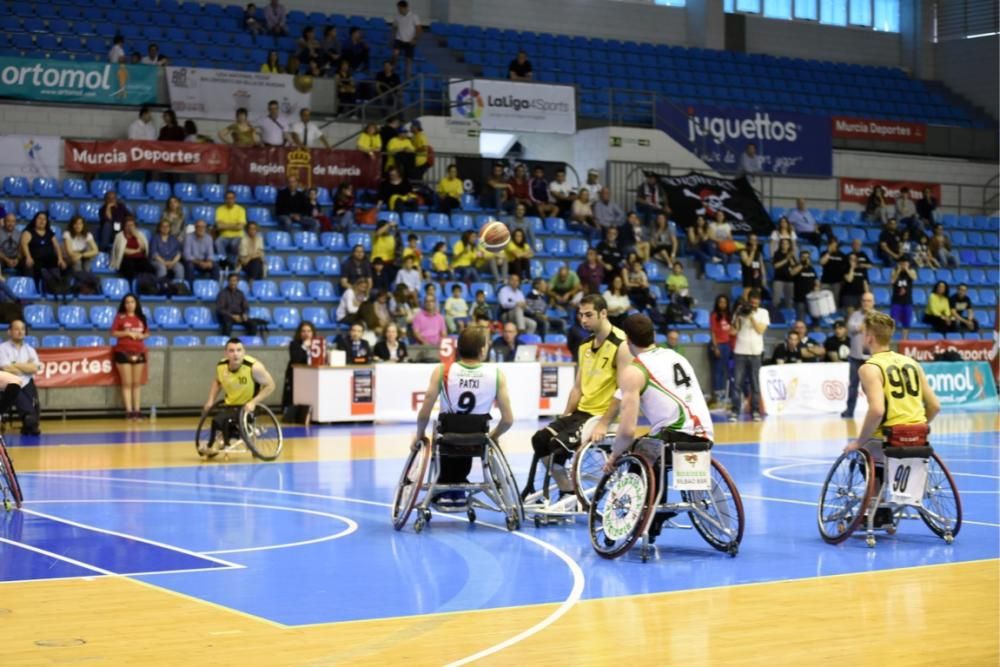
(904, 395)
(238, 386)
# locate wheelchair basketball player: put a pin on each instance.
(245, 383)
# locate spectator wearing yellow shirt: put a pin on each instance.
(384, 245)
(519, 253)
(413, 250)
(938, 312)
(425, 154)
(465, 257)
(401, 153)
(450, 190)
(230, 219)
(370, 141)
(440, 268)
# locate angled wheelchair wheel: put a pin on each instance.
(11, 491)
(717, 514)
(622, 506)
(846, 495)
(203, 435)
(941, 506)
(262, 433)
(410, 482)
(588, 469)
(503, 478)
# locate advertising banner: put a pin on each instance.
(77, 82)
(127, 155)
(806, 389)
(320, 167)
(859, 189)
(30, 156)
(514, 106)
(696, 194)
(788, 143)
(218, 93)
(969, 350)
(962, 384)
(879, 130)
(78, 367)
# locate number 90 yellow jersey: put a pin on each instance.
(238, 386)
(904, 395)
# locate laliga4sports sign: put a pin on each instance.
(514, 106)
(788, 143)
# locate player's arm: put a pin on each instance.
(430, 399)
(932, 406)
(266, 382)
(630, 382)
(575, 393)
(623, 359)
(213, 393)
(871, 382)
(503, 402)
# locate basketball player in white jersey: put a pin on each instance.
(470, 387)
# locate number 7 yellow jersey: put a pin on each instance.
(599, 372)
(904, 395)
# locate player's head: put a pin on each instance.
(878, 330)
(639, 332)
(235, 351)
(472, 344)
(593, 312)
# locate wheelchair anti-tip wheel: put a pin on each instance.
(941, 507)
(622, 506)
(717, 514)
(262, 433)
(10, 488)
(588, 469)
(410, 482)
(846, 495)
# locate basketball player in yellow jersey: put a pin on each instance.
(244, 383)
(896, 387)
(600, 356)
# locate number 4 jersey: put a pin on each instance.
(904, 396)
(469, 389)
(671, 399)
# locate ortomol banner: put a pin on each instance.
(78, 367)
(218, 93)
(514, 106)
(962, 384)
(858, 189)
(788, 143)
(127, 155)
(314, 167)
(879, 130)
(697, 194)
(77, 81)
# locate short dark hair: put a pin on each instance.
(143, 111)
(470, 342)
(230, 192)
(639, 330)
(233, 341)
(595, 300)
(402, 3)
(754, 293)
(270, 102)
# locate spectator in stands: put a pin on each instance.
(805, 226)
(355, 268)
(536, 306)
(135, 58)
(938, 313)
(192, 135)
(663, 241)
(308, 50)
(784, 230)
(276, 18)
(424, 151)
(637, 283)
(401, 153)
(272, 128)
(450, 190)
(376, 311)
(387, 85)
(617, 299)
(117, 53)
(173, 215)
(292, 207)
(607, 214)
(41, 254)
(720, 322)
(538, 194)
(751, 165)
(350, 301)
(834, 264)
(272, 65)
(412, 249)
(166, 254)
(330, 49)
(406, 31)
(230, 219)
(593, 184)
(171, 130)
(20, 359)
(112, 216)
(876, 208)
(678, 287)
(902, 280)
(940, 248)
(752, 265)
(251, 22)
(232, 308)
(611, 253)
(356, 53)
(702, 246)
(390, 348)
(789, 351)
(251, 255)
(154, 57)
(636, 237)
(370, 141)
(464, 257)
(520, 189)
(518, 254)
(720, 231)
(888, 244)
(922, 257)
(395, 193)
(79, 246)
(381, 278)
(499, 192)
(411, 276)
(130, 330)
(428, 324)
(961, 310)
(519, 221)
(806, 280)
(838, 345)
(440, 265)
(649, 199)
(519, 68)
(456, 310)
(504, 347)
(293, 65)
(591, 272)
(299, 354)
(307, 133)
(130, 254)
(750, 323)
(513, 307)
(199, 253)
(481, 309)
(356, 349)
(783, 288)
(583, 213)
(855, 285)
(496, 262)
(864, 261)
(565, 288)
(10, 243)
(343, 207)
(927, 208)
(810, 349)
(240, 133)
(142, 128)
(906, 212)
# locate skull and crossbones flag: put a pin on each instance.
(697, 194)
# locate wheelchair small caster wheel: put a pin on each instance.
(425, 515)
(538, 521)
(948, 538)
(472, 515)
(870, 541)
(644, 554)
(512, 523)
(419, 524)
(890, 530)
(733, 549)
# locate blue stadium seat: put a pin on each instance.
(90, 210)
(413, 220)
(461, 221)
(265, 194)
(244, 195)
(61, 211)
(22, 287)
(158, 190)
(206, 213)
(277, 340)
(205, 290)
(320, 317)
(300, 265)
(187, 192)
(16, 186)
(360, 238)
(470, 203)
(102, 316)
(306, 240)
(199, 317)
(555, 226)
(28, 208)
(987, 297)
(57, 340)
(555, 339)
(90, 341)
(578, 247)
(278, 240)
(265, 290)
(333, 241)
(323, 197)
(76, 188)
(391, 216)
(40, 316)
(554, 246)
(275, 265)
(216, 341)
(169, 317)
(260, 215)
(73, 317)
(320, 290)
(286, 318)
(157, 341)
(132, 191)
(213, 192)
(114, 288)
(439, 221)
(187, 341)
(46, 187)
(328, 265)
(294, 290)
(148, 214)
(261, 313)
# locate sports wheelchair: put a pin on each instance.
(634, 500)
(231, 429)
(456, 436)
(913, 482)
(10, 488)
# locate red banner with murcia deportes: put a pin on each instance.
(969, 350)
(127, 155)
(78, 367)
(859, 189)
(320, 167)
(879, 130)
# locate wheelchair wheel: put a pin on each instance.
(540, 487)
(941, 506)
(847, 493)
(718, 513)
(588, 469)
(11, 488)
(410, 481)
(203, 435)
(262, 433)
(622, 506)
(503, 478)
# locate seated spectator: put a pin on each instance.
(464, 255)
(678, 287)
(293, 66)
(591, 272)
(251, 22)
(720, 231)
(154, 57)
(805, 226)
(230, 219)
(520, 190)
(810, 349)
(173, 215)
(563, 194)
(611, 253)
(906, 212)
(384, 245)
(112, 216)
(351, 300)
(424, 151)
(440, 266)
(513, 307)
(751, 165)
(401, 153)
(481, 309)
(583, 212)
(428, 326)
(356, 54)
(306, 133)
(171, 130)
(390, 130)
(390, 348)
(922, 256)
(520, 68)
(292, 207)
(343, 207)
(752, 265)
(673, 341)
(41, 253)
(927, 208)
(382, 276)
(240, 133)
(21, 360)
(498, 194)
(315, 211)
(412, 249)
(10, 243)
(411, 276)
(276, 18)
(637, 283)
(356, 350)
(355, 267)
(902, 280)
(593, 185)
(617, 299)
(607, 214)
(938, 313)
(519, 221)
(251, 256)
(888, 244)
(663, 241)
(199, 253)
(877, 210)
(536, 306)
(130, 254)
(783, 288)
(273, 64)
(330, 49)
(456, 310)
(376, 311)
(838, 345)
(784, 231)
(518, 254)
(538, 191)
(117, 53)
(370, 141)
(789, 351)
(79, 247)
(702, 246)
(834, 264)
(806, 281)
(450, 190)
(566, 289)
(403, 306)
(395, 192)
(308, 50)
(495, 262)
(649, 199)
(347, 90)
(940, 248)
(961, 310)
(854, 286)
(387, 85)
(166, 254)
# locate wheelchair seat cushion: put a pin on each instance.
(463, 440)
(906, 435)
(909, 452)
(449, 422)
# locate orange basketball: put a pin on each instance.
(494, 236)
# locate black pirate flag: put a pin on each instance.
(696, 194)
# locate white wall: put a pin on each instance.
(797, 39)
(970, 68)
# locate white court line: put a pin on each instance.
(812, 504)
(769, 473)
(65, 559)
(352, 525)
(576, 592)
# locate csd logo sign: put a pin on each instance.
(777, 390)
(834, 390)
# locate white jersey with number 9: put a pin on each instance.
(468, 389)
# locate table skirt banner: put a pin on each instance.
(127, 155)
(79, 367)
(218, 93)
